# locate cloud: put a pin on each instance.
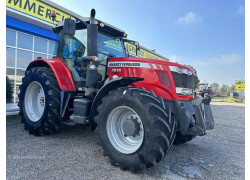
(189, 18)
(223, 60)
(174, 58)
(230, 59)
(241, 10)
(223, 69)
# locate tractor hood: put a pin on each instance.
(154, 63)
(159, 76)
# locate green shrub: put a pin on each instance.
(230, 100)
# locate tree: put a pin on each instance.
(223, 89)
(196, 78)
(228, 90)
(196, 81)
(215, 87)
(232, 87)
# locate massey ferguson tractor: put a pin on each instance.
(139, 107)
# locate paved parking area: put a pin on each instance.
(74, 153)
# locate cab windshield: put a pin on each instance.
(74, 47)
(202, 86)
(110, 46)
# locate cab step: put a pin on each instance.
(81, 112)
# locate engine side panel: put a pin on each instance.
(150, 70)
(61, 72)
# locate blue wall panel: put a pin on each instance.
(23, 26)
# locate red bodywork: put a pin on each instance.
(150, 70)
(61, 72)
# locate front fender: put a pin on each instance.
(110, 85)
(62, 73)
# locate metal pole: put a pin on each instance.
(241, 95)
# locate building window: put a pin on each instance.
(23, 58)
(24, 41)
(52, 46)
(10, 37)
(10, 57)
(40, 45)
(21, 49)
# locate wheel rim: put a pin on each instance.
(126, 144)
(34, 101)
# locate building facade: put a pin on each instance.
(29, 35)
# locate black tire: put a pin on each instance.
(9, 91)
(50, 120)
(181, 139)
(158, 127)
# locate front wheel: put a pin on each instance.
(39, 101)
(181, 139)
(135, 128)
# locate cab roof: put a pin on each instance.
(82, 22)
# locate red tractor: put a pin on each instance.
(204, 88)
(139, 107)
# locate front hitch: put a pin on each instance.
(203, 114)
(208, 112)
(195, 117)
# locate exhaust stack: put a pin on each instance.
(92, 75)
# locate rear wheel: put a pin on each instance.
(39, 101)
(135, 128)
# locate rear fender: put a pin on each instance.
(62, 73)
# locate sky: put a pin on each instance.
(206, 34)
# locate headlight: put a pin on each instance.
(184, 91)
(180, 70)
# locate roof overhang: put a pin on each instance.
(27, 18)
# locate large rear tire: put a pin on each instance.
(150, 116)
(39, 101)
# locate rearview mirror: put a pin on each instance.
(69, 26)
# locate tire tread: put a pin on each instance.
(53, 121)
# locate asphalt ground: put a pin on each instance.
(75, 153)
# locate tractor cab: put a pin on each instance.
(105, 41)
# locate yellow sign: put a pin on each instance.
(240, 84)
(140, 53)
(130, 48)
(116, 43)
(145, 54)
(36, 9)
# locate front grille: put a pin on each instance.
(164, 78)
(183, 80)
